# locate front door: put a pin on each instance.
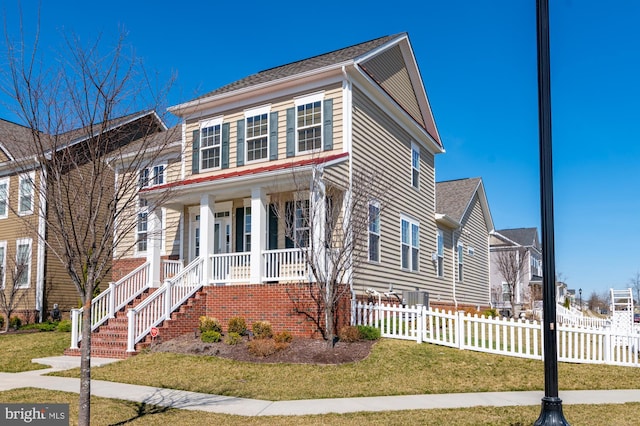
(221, 234)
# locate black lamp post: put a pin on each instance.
(551, 412)
(580, 291)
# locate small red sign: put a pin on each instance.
(154, 331)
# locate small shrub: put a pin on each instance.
(262, 330)
(64, 326)
(15, 323)
(209, 324)
(368, 332)
(349, 333)
(210, 336)
(262, 347)
(42, 326)
(283, 337)
(237, 325)
(233, 338)
(492, 312)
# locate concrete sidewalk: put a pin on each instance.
(253, 407)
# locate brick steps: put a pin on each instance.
(110, 339)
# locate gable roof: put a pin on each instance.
(454, 198)
(363, 57)
(526, 237)
(13, 136)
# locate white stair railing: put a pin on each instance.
(159, 306)
(111, 300)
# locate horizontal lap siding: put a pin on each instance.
(383, 146)
(474, 289)
(279, 105)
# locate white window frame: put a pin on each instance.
(440, 253)
(415, 166)
(246, 228)
(3, 264)
(303, 102)
(31, 177)
(506, 292)
(216, 125)
(460, 256)
(302, 222)
(412, 244)
(22, 242)
(143, 212)
(4, 197)
(252, 114)
(149, 177)
(374, 231)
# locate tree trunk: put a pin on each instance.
(84, 408)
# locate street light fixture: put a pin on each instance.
(580, 291)
(551, 412)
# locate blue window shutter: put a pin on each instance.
(195, 154)
(291, 132)
(273, 135)
(327, 131)
(240, 150)
(225, 146)
(239, 230)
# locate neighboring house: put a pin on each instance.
(523, 242)
(247, 144)
(25, 212)
(462, 256)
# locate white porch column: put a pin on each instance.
(207, 220)
(258, 233)
(318, 220)
(154, 244)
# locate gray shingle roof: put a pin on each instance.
(453, 196)
(305, 65)
(13, 138)
(523, 236)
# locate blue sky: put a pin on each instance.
(478, 63)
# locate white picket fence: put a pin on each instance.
(511, 337)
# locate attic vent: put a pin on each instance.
(413, 298)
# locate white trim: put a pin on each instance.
(3, 264)
(376, 204)
(415, 148)
(6, 181)
(439, 237)
(31, 176)
(22, 242)
(216, 121)
(42, 228)
(252, 112)
(411, 223)
(460, 260)
(309, 99)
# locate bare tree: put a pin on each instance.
(512, 265)
(83, 128)
(634, 282)
(14, 284)
(331, 229)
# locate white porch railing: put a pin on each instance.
(159, 306)
(285, 265)
(111, 300)
(509, 337)
(170, 268)
(230, 268)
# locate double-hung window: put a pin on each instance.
(3, 263)
(25, 193)
(257, 134)
(440, 253)
(247, 228)
(410, 244)
(374, 232)
(4, 198)
(460, 261)
(415, 166)
(301, 223)
(23, 263)
(309, 123)
(142, 226)
(152, 176)
(210, 144)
